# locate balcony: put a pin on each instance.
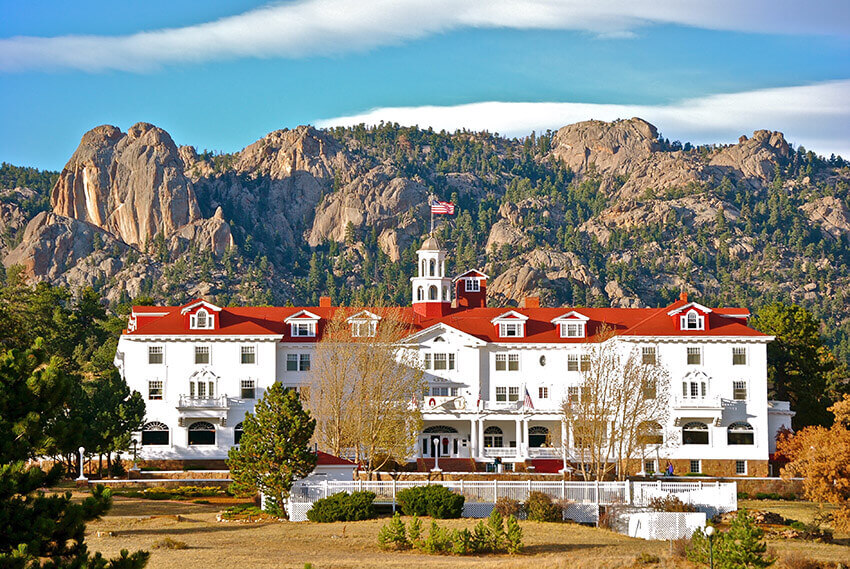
(445, 403)
(502, 405)
(203, 408)
(680, 402)
(545, 452)
(708, 408)
(503, 452)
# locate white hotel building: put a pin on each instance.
(200, 367)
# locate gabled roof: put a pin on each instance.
(325, 459)
(509, 316)
(686, 307)
(445, 328)
(572, 315)
(199, 302)
(363, 315)
(471, 274)
(302, 315)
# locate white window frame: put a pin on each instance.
(691, 466)
(302, 358)
(649, 352)
(740, 471)
(584, 363)
(513, 362)
(513, 393)
(472, 285)
(573, 362)
(292, 358)
(501, 394)
(697, 323)
(305, 329)
(207, 324)
(740, 351)
(543, 392)
(246, 350)
(151, 383)
(740, 384)
(501, 359)
(364, 328)
(573, 329)
(693, 350)
(199, 349)
(248, 384)
(511, 329)
(160, 353)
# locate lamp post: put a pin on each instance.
(709, 532)
(82, 477)
(436, 441)
(135, 455)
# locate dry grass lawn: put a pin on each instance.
(138, 524)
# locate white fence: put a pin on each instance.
(707, 497)
(663, 525)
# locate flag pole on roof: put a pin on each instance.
(439, 208)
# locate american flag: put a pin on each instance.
(439, 207)
(527, 401)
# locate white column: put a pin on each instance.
(473, 438)
(481, 438)
(525, 435)
(518, 423)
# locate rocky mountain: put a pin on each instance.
(594, 213)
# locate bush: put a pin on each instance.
(508, 507)
(740, 546)
(541, 508)
(393, 535)
(647, 559)
(679, 548)
(767, 496)
(670, 503)
(168, 543)
(799, 561)
(513, 535)
(435, 501)
(179, 493)
(343, 507)
(438, 540)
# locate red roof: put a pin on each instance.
(269, 321)
(325, 459)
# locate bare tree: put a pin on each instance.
(619, 409)
(364, 389)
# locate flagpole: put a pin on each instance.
(432, 214)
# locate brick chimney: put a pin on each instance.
(531, 302)
(325, 302)
(683, 296)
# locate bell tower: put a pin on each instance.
(432, 289)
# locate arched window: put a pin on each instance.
(201, 320)
(433, 265)
(433, 293)
(740, 434)
(650, 433)
(420, 293)
(423, 271)
(201, 433)
(439, 429)
(493, 437)
(693, 321)
(154, 433)
(538, 437)
(695, 433)
(237, 434)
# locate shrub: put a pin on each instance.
(790, 496)
(513, 535)
(435, 501)
(414, 532)
(393, 535)
(799, 561)
(169, 543)
(670, 503)
(679, 548)
(767, 496)
(343, 507)
(438, 540)
(541, 508)
(740, 546)
(508, 507)
(647, 559)
(495, 532)
(743, 495)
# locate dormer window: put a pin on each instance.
(303, 329)
(572, 325)
(364, 329)
(511, 329)
(692, 321)
(201, 320)
(472, 285)
(572, 330)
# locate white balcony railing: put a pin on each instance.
(445, 403)
(711, 402)
(545, 452)
(188, 402)
(502, 405)
(504, 452)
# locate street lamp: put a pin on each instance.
(82, 477)
(135, 455)
(709, 532)
(436, 441)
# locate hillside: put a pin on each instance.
(593, 214)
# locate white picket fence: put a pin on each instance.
(712, 498)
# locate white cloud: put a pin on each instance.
(322, 27)
(815, 116)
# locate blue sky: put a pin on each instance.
(219, 75)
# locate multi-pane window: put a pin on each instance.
(649, 466)
(364, 328)
(572, 329)
(248, 355)
(513, 362)
(501, 362)
(739, 356)
(501, 394)
(695, 467)
(573, 394)
(304, 362)
(155, 354)
(585, 362)
(694, 356)
(291, 362)
(248, 388)
(513, 393)
(572, 362)
(648, 355)
(739, 390)
(426, 361)
(692, 321)
(472, 285)
(740, 467)
(441, 361)
(155, 389)
(444, 391)
(510, 329)
(202, 354)
(543, 393)
(649, 388)
(304, 329)
(201, 320)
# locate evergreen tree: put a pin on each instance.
(274, 449)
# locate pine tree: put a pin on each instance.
(274, 449)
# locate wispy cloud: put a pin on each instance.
(323, 27)
(815, 116)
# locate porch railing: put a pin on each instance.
(189, 402)
(504, 452)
